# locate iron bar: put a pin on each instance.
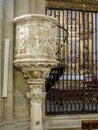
(73, 88)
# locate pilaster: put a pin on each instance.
(1, 33)
(37, 6)
(21, 7)
(8, 34)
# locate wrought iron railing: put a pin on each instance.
(73, 86)
(58, 71)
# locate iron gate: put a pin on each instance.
(72, 87)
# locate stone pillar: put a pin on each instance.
(1, 30)
(36, 94)
(37, 6)
(8, 34)
(21, 7)
(35, 56)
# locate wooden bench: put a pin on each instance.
(89, 124)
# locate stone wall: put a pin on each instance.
(14, 109)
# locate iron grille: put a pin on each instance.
(72, 87)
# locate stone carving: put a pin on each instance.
(40, 41)
(30, 73)
(35, 44)
(22, 33)
(38, 86)
(35, 55)
(35, 97)
(29, 64)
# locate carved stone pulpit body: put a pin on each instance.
(35, 55)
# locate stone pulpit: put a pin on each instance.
(35, 55)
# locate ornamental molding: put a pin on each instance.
(27, 62)
(80, 1)
(85, 1)
(36, 86)
(36, 97)
(34, 73)
(83, 5)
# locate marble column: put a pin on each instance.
(35, 56)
